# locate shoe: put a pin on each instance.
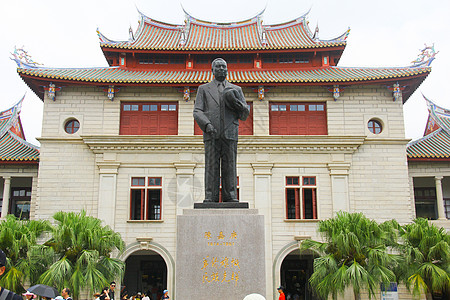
(231, 200)
(209, 201)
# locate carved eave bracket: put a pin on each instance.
(51, 91)
(187, 92)
(336, 90)
(261, 90)
(111, 91)
(396, 91)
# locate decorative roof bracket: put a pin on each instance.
(187, 92)
(51, 91)
(336, 90)
(396, 91)
(111, 90)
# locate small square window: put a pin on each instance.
(312, 107)
(164, 107)
(282, 107)
(154, 181)
(301, 107)
(309, 180)
(127, 107)
(153, 107)
(134, 107)
(138, 181)
(293, 107)
(292, 181)
(274, 107)
(172, 107)
(145, 107)
(16, 193)
(320, 107)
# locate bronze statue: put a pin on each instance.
(219, 106)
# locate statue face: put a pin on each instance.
(220, 70)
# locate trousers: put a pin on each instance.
(220, 165)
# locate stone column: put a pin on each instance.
(106, 209)
(440, 198)
(185, 185)
(6, 191)
(185, 116)
(339, 186)
(262, 175)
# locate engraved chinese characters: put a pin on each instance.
(220, 269)
(220, 254)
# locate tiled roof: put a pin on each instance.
(436, 144)
(201, 35)
(14, 148)
(117, 75)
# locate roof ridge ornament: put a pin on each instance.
(425, 57)
(23, 59)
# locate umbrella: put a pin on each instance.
(44, 290)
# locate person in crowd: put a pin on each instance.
(9, 295)
(105, 294)
(145, 296)
(96, 296)
(281, 292)
(28, 295)
(112, 287)
(165, 295)
(65, 293)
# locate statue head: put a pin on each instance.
(219, 69)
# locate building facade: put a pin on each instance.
(120, 142)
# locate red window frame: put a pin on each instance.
(301, 198)
(298, 118)
(148, 210)
(149, 118)
(245, 127)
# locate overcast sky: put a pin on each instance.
(61, 33)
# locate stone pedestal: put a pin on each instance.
(220, 254)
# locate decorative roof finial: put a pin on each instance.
(131, 35)
(316, 32)
(23, 59)
(425, 57)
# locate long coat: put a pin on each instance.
(207, 111)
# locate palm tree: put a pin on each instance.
(354, 255)
(82, 253)
(426, 250)
(26, 259)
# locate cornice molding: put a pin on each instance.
(247, 144)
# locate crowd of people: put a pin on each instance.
(107, 293)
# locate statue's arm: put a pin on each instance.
(200, 109)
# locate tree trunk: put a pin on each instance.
(428, 295)
(357, 296)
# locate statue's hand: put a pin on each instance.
(210, 128)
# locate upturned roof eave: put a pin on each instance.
(36, 82)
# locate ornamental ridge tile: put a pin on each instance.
(196, 35)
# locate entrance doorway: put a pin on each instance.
(295, 272)
(145, 272)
